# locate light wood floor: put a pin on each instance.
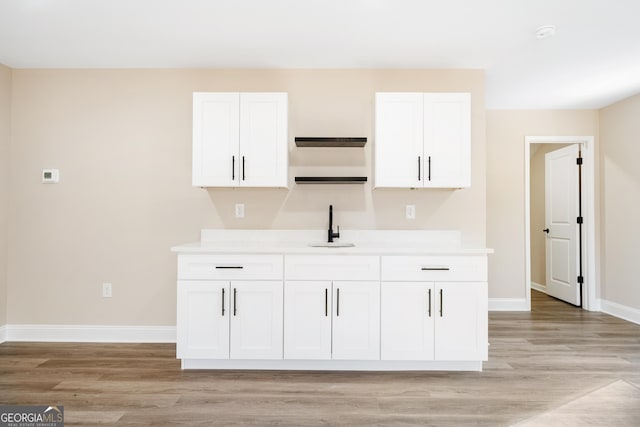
(538, 362)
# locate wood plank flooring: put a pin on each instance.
(538, 362)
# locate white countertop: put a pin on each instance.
(367, 242)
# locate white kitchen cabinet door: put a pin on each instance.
(216, 135)
(356, 320)
(256, 319)
(407, 324)
(240, 139)
(263, 140)
(203, 320)
(399, 157)
(447, 140)
(307, 320)
(423, 140)
(461, 321)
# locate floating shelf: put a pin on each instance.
(331, 179)
(317, 141)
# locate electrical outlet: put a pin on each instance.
(107, 290)
(410, 212)
(240, 210)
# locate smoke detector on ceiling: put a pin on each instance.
(545, 32)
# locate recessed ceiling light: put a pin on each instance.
(545, 32)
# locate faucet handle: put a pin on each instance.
(338, 232)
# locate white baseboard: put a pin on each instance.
(508, 304)
(90, 333)
(538, 287)
(622, 311)
(3, 333)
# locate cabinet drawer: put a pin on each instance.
(434, 268)
(230, 267)
(331, 267)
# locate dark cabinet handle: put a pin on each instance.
(546, 230)
(235, 297)
(222, 302)
(418, 168)
(429, 303)
(435, 268)
(338, 303)
(429, 161)
(229, 267)
(233, 168)
(243, 168)
(326, 302)
(440, 302)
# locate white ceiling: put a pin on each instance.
(593, 60)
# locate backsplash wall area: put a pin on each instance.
(122, 142)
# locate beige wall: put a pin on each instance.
(537, 210)
(122, 142)
(5, 135)
(506, 131)
(620, 210)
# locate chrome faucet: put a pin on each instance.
(331, 234)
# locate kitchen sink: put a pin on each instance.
(332, 245)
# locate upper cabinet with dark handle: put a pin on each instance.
(240, 139)
(432, 129)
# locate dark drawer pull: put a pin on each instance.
(435, 268)
(229, 267)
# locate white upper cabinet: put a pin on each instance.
(240, 139)
(423, 140)
(399, 140)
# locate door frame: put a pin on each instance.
(589, 300)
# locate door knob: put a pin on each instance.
(546, 230)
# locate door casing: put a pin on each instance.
(589, 300)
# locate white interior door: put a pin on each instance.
(561, 219)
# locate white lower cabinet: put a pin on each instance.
(256, 320)
(229, 319)
(307, 319)
(332, 320)
(203, 320)
(461, 321)
(356, 321)
(407, 321)
(332, 312)
(434, 321)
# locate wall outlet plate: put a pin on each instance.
(410, 212)
(50, 176)
(239, 210)
(107, 290)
